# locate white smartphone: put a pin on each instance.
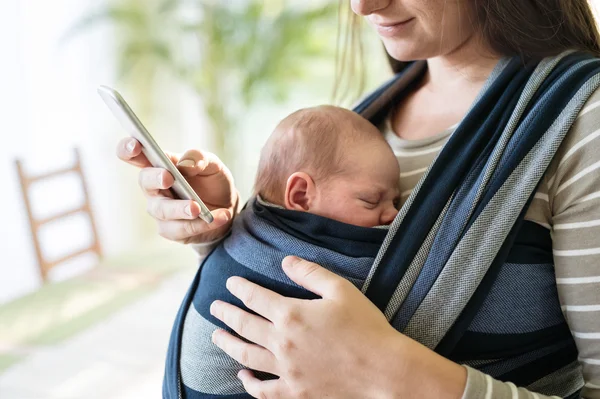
(150, 148)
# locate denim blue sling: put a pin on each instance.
(460, 255)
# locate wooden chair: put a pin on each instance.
(26, 181)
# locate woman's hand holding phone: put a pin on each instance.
(178, 219)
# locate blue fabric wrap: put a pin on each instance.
(261, 237)
(501, 331)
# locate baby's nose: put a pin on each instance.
(388, 215)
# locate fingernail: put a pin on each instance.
(186, 163)
(130, 146)
(213, 308)
(188, 210)
(229, 283)
(225, 216)
(290, 261)
(160, 180)
(201, 164)
(215, 336)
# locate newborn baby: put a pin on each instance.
(322, 161)
(326, 187)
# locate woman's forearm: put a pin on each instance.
(436, 376)
(410, 370)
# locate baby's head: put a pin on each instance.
(331, 162)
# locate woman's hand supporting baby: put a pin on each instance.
(339, 346)
(178, 219)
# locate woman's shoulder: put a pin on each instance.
(586, 123)
(575, 169)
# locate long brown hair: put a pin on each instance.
(530, 29)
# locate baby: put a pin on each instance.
(331, 162)
(327, 186)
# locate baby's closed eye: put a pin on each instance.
(370, 205)
(370, 201)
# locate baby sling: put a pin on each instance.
(454, 260)
(454, 272)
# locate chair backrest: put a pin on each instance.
(26, 182)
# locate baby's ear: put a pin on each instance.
(299, 192)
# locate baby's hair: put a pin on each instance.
(309, 140)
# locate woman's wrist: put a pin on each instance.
(410, 370)
(217, 235)
(390, 370)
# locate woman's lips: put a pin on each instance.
(393, 29)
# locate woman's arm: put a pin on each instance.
(340, 346)
(178, 219)
(573, 184)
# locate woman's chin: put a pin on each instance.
(404, 52)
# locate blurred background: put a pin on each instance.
(88, 291)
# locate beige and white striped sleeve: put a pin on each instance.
(203, 249)
(573, 186)
(574, 200)
(482, 386)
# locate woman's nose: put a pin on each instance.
(366, 7)
(388, 215)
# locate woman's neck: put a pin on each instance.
(446, 93)
(466, 67)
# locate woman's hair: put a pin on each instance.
(530, 29)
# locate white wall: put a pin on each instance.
(48, 105)
(45, 113)
(16, 260)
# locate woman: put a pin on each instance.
(343, 346)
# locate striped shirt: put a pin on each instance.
(568, 204)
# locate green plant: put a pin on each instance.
(230, 53)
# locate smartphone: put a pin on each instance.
(150, 148)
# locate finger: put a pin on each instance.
(130, 151)
(200, 163)
(248, 355)
(259, 299)
(173, 157)
(181, 230)
(313, 277)
(254, 328)
(269, 389)
(152, 180)
(163, 208)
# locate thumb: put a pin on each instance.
(311, 276)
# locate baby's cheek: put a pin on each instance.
(366, 217)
